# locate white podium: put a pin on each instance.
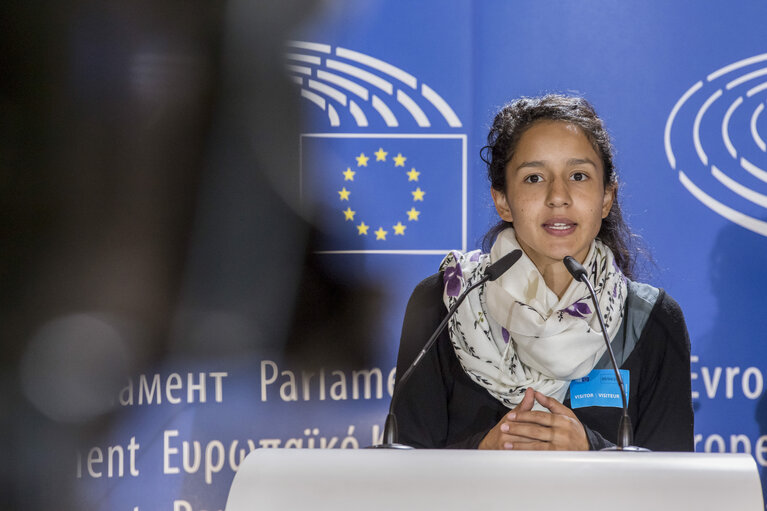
(316, 480)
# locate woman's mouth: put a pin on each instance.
(559, 228)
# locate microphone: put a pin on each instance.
(625, 430)
(492, 272)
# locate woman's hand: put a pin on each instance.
(498, 437)
(525, 429)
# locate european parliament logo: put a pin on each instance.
(381, 192)
(716, 140)
(387, 193)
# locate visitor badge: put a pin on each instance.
(599, 388)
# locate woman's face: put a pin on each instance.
(554, 193)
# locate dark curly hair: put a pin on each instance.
(517, 117)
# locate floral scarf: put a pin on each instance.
(515, 332)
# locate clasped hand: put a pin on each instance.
(525, 429)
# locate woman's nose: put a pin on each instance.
(558, 194)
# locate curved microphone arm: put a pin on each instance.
(492, 272)
(625, 429)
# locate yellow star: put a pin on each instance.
(399, 160)
(417, 194)
(349, 174)
(413, 214)
(381, 234)
(344, 193)
(413, 175)
(349, 214)
(399, 229)
(362, 229)
(362, 160)
(380, 154)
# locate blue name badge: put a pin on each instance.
(599, 388)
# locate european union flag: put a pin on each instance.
(386, 193)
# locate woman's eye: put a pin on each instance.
(535, 178)
(579, 176)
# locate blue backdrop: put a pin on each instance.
(397, 98)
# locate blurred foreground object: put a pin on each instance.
(148, 175)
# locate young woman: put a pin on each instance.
(510, 369)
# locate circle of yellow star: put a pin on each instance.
(344, 195)
(413, 214)
(380, 154)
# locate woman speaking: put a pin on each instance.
(521, 364)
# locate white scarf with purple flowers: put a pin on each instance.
(515, 332)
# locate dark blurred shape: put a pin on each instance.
(333, 317)
(73, 365)
(148, 196)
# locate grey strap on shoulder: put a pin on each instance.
(640, 300)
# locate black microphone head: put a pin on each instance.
(499, 267)
(575, 268)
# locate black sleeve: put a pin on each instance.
(660, 404)
(596, 441)
(664, 416)
(423, 408)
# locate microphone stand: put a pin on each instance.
(494, 271)
(625, 429)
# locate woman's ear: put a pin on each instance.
(607, 200)
(501, 205)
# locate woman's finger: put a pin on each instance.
(553, 405)
(535, 417)
(531, 446)
(531, 431)
(516, 440)
(527, 401)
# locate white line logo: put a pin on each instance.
(723, 117)
(363, 86)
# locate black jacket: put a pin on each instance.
(441, 407)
